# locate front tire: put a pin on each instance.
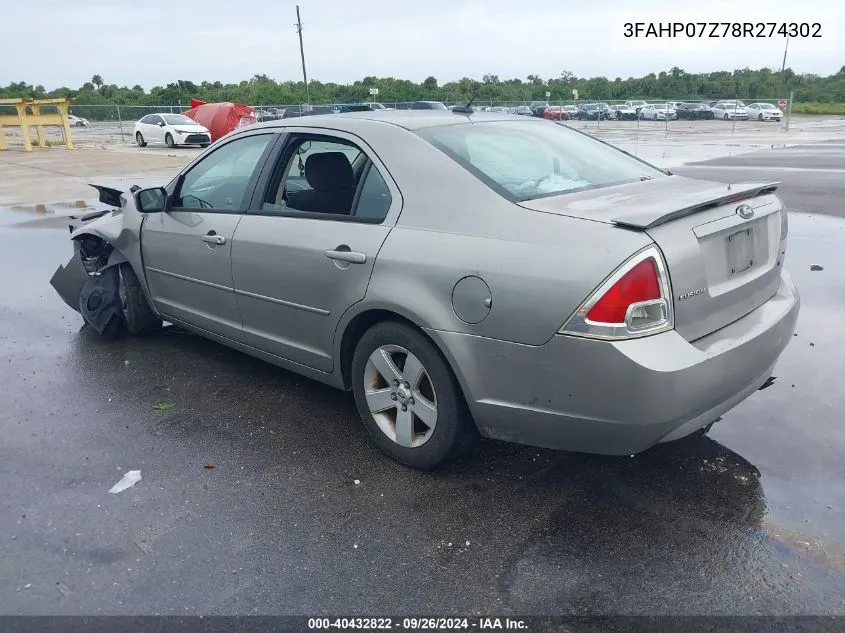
(138, 316)
(759, 117)
(408, 397)
(726, 117)
(140, 140)
(168, 139)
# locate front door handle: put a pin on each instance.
(213, 238)
(353, 257)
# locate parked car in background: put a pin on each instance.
(265, 115)
(635, 104)
(523, 110)
(764, 112)
(730, 109)
(592, 111)
(299, 249)
(77, 121)
(623, 113)
(556, 113)
(428, 105)
(355, 107)
(538, 107)
(170, 129)
(307, 110)
(657, 112)
(691, 111)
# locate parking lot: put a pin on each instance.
(261, 493)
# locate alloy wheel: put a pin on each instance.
(400, 396)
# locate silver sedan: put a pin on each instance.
(461, 273)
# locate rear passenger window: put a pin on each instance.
(375, 198)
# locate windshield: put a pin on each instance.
(766, 106)
(177, 119)
(526, 160)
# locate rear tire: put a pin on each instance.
(204, 145)
(437, 425)
(140, 140)
(168, 139)
(137, 313)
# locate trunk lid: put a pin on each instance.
(722, 265)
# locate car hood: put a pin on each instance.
(646, 204)
(196, 127)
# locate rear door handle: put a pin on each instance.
(213, 238)
(353, 257)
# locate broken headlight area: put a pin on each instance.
(94, 252)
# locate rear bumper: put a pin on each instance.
(623, 397)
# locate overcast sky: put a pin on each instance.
(153, 42)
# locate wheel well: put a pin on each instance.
(355, 330)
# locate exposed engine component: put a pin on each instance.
(94, 253)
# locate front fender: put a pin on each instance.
(121, 229)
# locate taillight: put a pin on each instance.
(636, 300)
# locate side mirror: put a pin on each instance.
(151, 200)
(161, 123)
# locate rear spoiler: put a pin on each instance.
(649, 218)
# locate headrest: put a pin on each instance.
(329, 171)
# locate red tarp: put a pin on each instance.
(220, 118)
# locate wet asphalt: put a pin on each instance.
(301, 515)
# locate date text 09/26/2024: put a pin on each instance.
(418, 624)
(723, 29)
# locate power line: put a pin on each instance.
(302, 54)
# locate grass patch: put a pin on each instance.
(819, 108)
(164, 406)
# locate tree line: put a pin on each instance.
(675, 83)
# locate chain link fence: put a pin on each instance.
(114, 124)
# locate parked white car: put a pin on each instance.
(635, 104)
(658, 112)
(729, 109)
(764, 112)
(77, 121)
(170, 129)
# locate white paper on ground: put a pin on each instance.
(131, 478)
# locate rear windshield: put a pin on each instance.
(536, 159)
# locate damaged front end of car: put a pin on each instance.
(102, 241)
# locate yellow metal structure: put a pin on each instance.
(29, 114)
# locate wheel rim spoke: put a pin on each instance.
(379, 400)
(404, 428)
(413, 371)
(385, 365)
(425, 411)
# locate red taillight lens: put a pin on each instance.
(638, 284)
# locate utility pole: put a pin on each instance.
(783, 66)
(302, 54)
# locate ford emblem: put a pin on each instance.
(745, 212)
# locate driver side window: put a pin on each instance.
(220, 181)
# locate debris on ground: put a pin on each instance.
(131, 478)
(357, 482)
(164, 406)
(208, 466)
(816, 267)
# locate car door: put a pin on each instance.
(301, 259)
(153, 132)
(187, 248)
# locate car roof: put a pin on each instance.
(408, 119)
